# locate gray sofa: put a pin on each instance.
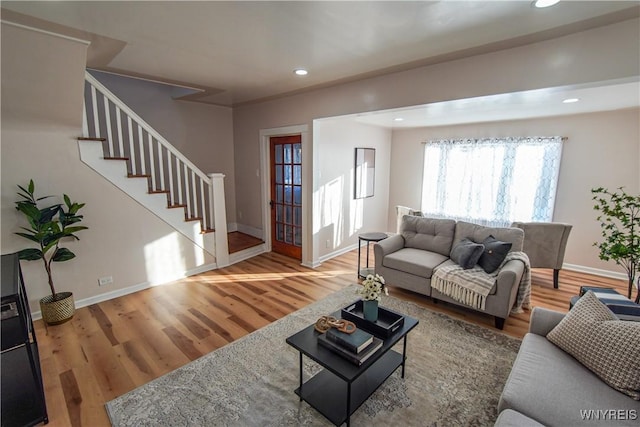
(549, 387)
(408, 259)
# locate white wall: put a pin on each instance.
(605, 53)
(338, 217)
(42, 84)
(602, 150)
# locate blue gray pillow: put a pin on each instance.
(495, 251)
(466, 253)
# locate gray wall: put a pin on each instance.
(602, 149)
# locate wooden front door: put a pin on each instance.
(286, 195)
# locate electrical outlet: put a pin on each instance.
(327, 244)
(105, 281)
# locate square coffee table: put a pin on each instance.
(342, 386)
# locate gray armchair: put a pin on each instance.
(544, 244)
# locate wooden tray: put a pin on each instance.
(388, 321)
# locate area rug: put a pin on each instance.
(455, 373)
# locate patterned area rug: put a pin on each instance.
(455, 374)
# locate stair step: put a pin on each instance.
(159, 191)
(117, 158)
(131, 175)
(208, 230)
(83, 138)
(194, 218)
(176, 206)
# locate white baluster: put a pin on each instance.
(205, 214)
(143, 163)
(132, 150)
(85, 125)
(107, 123)
(152, 164)
(186, 191)
(196, 211)
(96, 120)
(161, 168)
(120, 138)
(178, 182)
(170, 176)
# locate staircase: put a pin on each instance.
(128, 152)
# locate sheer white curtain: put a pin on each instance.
(491, 181)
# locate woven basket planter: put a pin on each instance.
(60, 310)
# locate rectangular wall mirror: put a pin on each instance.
(365, 172)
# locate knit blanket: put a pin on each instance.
(471, 287)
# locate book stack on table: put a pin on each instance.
(356, 347)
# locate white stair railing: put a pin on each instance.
(150, 155)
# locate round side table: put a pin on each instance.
(367, 237)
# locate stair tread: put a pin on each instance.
(193, 218)
(159, 191)
(208, 230)
(176, 206)
(116, 158)
(132, 175)
(86, 138)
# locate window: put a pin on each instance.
(492, 181)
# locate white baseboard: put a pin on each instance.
(251, 231)
(596, 271)
(336, 253)
(135, 288)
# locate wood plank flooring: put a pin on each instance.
(109, 348)
(239, 241)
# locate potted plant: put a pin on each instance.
(48, 227)
(620, 222)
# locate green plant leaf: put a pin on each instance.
(29, 236)
(30, 254)
(63, 254)
(70, 230)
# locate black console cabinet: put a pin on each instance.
(22, 394)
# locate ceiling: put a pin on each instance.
(240, 52)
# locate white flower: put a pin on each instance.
(372, 288)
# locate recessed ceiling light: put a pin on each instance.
(545, 3)
(570, 100)
(301, 72)
(398, 119)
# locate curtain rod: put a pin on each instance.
(562, 138)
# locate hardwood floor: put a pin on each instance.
(239, 241)
(112, 347)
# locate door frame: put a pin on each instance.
(265, 174)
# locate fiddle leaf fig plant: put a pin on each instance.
(48, 227)
(620, 221)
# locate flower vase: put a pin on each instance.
(370, 310)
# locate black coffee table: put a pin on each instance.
(341, 387)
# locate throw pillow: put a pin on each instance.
(608, 347)
(494, 253)
(466, 253)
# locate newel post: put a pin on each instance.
(217, 207)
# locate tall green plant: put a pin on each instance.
(47, 227)
(620, 222)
